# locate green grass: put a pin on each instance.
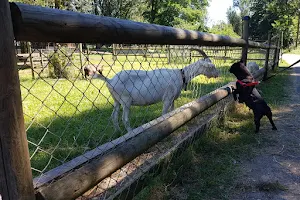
(283, 63)
(65, 118)
(292, 50)
(207, 169)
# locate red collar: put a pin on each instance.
(248, 84)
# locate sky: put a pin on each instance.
(217, 11)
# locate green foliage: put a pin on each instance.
(59, 64)
(235, 20)
(223, 29)
(188, 14)
(274, 16)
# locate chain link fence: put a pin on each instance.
(68, 117)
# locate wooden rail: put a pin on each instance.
(39, 24)
(76, 182)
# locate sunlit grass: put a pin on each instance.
(208, 169)
(64, 118)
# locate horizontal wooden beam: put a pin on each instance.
(75, 183)
(40, 24)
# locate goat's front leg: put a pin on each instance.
(167, 105)
(168, 100)
(172, 106)
(115, 116)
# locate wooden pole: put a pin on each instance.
(30, 59)
(15, 172)
(297, 36)
(246, 38)
(276, 54)
(267, 58)
(33, 23)
(80, 57)
(42, 61)
(81, 179)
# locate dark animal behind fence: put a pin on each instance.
(258, 105)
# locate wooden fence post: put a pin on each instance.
(276, 54)
(30, 59)
(15, 172)
(169, 53)
(42, 61)
(267, 57)
(245, 37)
(80, 57)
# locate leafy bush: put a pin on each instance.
(59, 64)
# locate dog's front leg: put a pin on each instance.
(257, 118)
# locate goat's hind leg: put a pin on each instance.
(115, 116)
(126, 103)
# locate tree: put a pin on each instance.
(275, 17)
(235, 20)
(223, 29)
(188, 14)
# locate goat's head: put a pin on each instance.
(207, 68)
(90, 71)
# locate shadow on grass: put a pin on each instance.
(208, 168)
(54, 141)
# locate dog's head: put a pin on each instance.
(240, 70)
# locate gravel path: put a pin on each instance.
(275, 173)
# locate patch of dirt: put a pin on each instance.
(275, 172)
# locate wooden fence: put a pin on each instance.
(36, 24)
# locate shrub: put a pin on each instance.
(59, 64)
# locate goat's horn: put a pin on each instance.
(201, 52)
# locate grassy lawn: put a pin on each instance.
(208, 168)
(292, 50)
(282, 63)
(64, 118)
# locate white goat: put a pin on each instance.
(252, 67)
(138, 87)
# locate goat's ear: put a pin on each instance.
(100, 69)
(207, 60)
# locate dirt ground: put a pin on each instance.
(275, 172)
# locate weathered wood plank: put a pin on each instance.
(34, 23)
(80, 180)
(100, 150)
(15, 172)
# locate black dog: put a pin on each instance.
(245, 89)
(258, 105)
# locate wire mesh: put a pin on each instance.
(67, 115)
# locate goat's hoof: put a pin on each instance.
(257, 131)
(274, 129)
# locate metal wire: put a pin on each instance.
(67, 116)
